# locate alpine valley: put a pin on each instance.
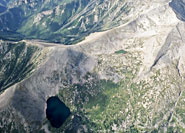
(116, 65)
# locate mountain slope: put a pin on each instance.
(55, 21)
(127, 79)
(18, 61)
(66, 22)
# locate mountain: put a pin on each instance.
(126, 76)
(179, 8)
(60, 20)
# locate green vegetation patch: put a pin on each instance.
(121, 52)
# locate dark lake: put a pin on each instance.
(57, 112)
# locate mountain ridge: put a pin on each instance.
(139, 64)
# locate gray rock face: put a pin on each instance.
(179, 8)
(173, 48)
